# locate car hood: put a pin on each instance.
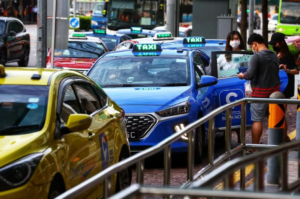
(18, 146)
(153, 98)
(74, 63)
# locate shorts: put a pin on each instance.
(258, 111)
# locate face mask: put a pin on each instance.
(276, 49)
(235, 44)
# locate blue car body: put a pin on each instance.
(144, 103)
(141, 33)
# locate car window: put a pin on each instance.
(110, 42)
(23, 108)
(275, 17)
(148, 70)
(198, 62)
(124, 46)
(87, 97)
(230, 64)
(101, 95)
(81, 50)
(70, 105)
(123, 38)
(2, 28)
(15, 26)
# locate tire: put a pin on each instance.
(124, 176)
(199, 144)
(3, 57)
(55, 189)
(25, 58)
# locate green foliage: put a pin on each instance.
(84, 21)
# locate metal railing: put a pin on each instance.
(165, 145)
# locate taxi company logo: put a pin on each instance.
(146, 46)
(229, 96)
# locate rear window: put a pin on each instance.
(110, 42)
(81, 50)
(22, 108)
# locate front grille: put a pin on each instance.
(139, 126)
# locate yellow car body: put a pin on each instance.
(57, 129)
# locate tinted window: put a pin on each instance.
(15, 26)
(22, 108)
(70, 105)
(101, 95)
(87, 97)
(81, 50)
(141, 71)
(110, 42)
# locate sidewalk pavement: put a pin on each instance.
(292, 174)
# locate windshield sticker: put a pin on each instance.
(33, 100)
(130, 79)
(147, 89)
(240, 59)
(32, 106)
(181, 60)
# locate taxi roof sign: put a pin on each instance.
(78, 35)
(194, 40)
(136, 29)
(99, 31)
(146, 48)
(163, 36)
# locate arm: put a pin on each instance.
(252, 70)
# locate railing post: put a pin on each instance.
(275, 135)
(228, 131)
(259, 176)
(211, 141)
(229, 181)
(191, 151)
(298, 114)
(284, 171)
(107, 188)
(243, 142)
(167, 165)
(140, 172)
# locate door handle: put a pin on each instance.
(91, 135)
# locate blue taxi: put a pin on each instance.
(137, 32)
(162, 90)
(110, 40)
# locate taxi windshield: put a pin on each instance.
(110, 42)
(22, 108)
(75, 49)
(141, 71)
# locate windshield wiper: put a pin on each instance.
(174, 84)
(17, 129)
(119, 85)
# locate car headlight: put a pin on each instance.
(280, 29)
(176, 110)
(19, 172)
(94, 23)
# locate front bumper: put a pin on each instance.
(29, 190)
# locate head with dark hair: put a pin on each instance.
(234, 38)
(256, 42)
(279, 45)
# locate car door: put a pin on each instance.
(101, 132)
(225, 66)
(80, 159)
(13, 42)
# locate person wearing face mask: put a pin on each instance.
(286, 62)
(234, 42)
(263, 72)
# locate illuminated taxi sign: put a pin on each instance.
(163, 36)
(194, 40)
(78, 35)
(100, 31)
(146, 48)
(136, 30)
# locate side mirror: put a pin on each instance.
(77, 122)
(12, 34)
(207, 80)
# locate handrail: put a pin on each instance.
(141, 156)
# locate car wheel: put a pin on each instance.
(199, 144)
(55, 189)
(3, 57)
(124, 176)
(25, 58)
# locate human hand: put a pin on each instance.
(241, 75)
(283, 66)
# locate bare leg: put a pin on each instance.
(257, 129)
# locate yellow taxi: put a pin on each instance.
(57, 129)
